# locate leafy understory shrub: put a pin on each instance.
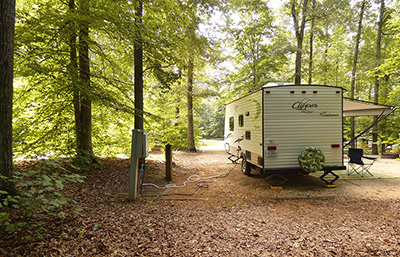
(39, 195)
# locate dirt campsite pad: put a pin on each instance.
(234, 215)
(212, 161)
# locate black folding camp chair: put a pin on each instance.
(358, 163)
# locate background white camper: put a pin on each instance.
(269, 127)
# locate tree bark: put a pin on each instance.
(310, 60)
(7, 31)
(86, 148)
(138, 69)
(299, 31)
(73, 73)
(190, 129)
(376, 87)
(254, 49)
(354, 69)
(178, 99)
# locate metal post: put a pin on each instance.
(168, 162)
(136, 152)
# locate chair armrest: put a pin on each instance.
(370, 158)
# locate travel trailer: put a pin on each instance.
(268, 128)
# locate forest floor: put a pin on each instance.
(233, 215)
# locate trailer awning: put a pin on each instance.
(361, 108)
(353, 108)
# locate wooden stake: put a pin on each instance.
(168, 162)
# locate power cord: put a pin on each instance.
(200, 183)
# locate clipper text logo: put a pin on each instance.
(305, 105)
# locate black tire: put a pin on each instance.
(246, 166)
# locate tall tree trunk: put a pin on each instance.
(7, 30)
(254, 60)
(310, 60)
(299, 30)
(86, 147)
(73, 72)
(178, 99)
(354, 70)
(376, 88)
(190, 129)
(138, 70)
(325, 81)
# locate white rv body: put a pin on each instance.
(271, 126)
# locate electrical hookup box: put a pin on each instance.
(140, 144)
(139, 150)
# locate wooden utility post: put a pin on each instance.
(168, 162)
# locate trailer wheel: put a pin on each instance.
(246, 166)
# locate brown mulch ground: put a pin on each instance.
(234, 216)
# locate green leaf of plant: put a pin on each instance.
(9, 227)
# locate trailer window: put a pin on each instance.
(241, 120)
(231, 123)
